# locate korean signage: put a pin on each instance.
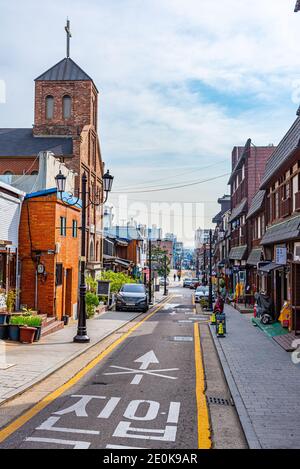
(281, 255)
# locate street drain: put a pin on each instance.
(219, 401)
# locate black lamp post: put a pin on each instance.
(165, 269)
(150, 269)
(87, 199)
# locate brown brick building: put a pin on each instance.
(48, 253)
(248, 167)
(65, 123)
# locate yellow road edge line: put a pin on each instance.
(29, 414)
(204, 435)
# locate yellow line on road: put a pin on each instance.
(204, 436)
(23, 419)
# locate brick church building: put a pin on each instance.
(65, 123)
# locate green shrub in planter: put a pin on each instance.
(91, 301)
(33, 321)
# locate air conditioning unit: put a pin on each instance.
(57, 248)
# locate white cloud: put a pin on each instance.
(142, 54)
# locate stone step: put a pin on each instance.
(48, 320)
(54, 326)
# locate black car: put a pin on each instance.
(132, 297)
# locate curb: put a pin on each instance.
(251, 437)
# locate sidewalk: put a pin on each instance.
(33, 363)
(264, 384)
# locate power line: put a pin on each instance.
(175, 175)
(174, 187)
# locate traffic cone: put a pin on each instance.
(221, 330)
(213, 319)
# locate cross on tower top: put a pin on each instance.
(69, 35)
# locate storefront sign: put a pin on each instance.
(281, 255)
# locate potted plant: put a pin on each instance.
(27, 334)
(11, 300)
(14, 328)
(36, 322)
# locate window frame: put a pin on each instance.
(63, 226)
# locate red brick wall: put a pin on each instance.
(43, 218)
(18, 165)
(83, 93)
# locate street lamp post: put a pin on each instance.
(165, 283)
(150, 271)
(87, 199)
(210, 272)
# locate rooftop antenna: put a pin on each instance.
(69, 35)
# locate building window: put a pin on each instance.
(67, 107)
(92, 251)
(63, 226)
(276, 205)
(59, 275)
(49, 107)
(74, 229)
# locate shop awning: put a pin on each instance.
(285, 231)
(269, 267)
(238, 253)
(255, 256)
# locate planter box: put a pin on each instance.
(4, 318)
(14, 333)
(3, 331)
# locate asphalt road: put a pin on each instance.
(142, 395)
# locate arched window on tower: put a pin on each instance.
(67, 107)
(49, 107)
(92, 251)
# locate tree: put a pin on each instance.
(158, 257)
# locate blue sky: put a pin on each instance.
(181, 82)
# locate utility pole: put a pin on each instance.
(210, 272)
(204, 261)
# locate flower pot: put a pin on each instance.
(13, 333)
(27, 334)
(3, 318)
(3, 331)
(38, 333)
(66, 320)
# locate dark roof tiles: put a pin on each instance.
(65, 70)
(239, 210)
(287, 146)
(257, 203)
(21, 142)
(284, 231)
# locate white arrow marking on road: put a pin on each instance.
(145, 361)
